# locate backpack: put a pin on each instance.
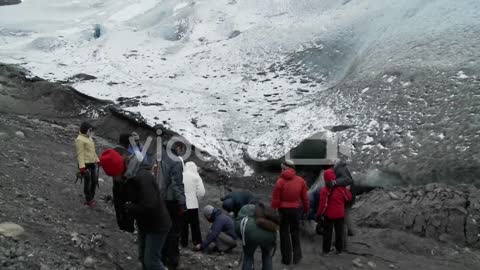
(266, 218)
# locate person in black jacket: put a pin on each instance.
(170, 180)
(235, 200)
(144, 204)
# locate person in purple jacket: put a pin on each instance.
(222, 237)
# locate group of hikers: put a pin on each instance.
(160, 199)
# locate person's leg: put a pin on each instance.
(248, 256)
(339, 231)
(295, 233)
(195, 227)
(171, 252)
(349, 221)
(87, 178)
(285, 242)
(94, 180)
(267, 257)
(141, 248)
(153, 251)
(225, 242)
(185, 228)
(327, 235)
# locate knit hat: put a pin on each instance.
(207, 211)
(84, 127)
(289, 163)
(112, 163)
(329, 176)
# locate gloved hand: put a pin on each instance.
(320, 219)
(331, 184)
(83, 170)
(181, 209)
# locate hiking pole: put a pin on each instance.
(79, 176)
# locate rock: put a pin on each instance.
(425, 213)
(81, 77)
(66, 191)
(3, 134)
(392, 266)
(430, 187)
(393, 196)
(20, 134)
(372, 264)
(357, 263)
(11, 229)
(234, 34)
(89, 262)
(44, 267)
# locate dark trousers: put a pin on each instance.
(171, 251)
(191, 221)
(90, 181)
(150, 250)
(330, 224)
(249, 253)
(290, 235)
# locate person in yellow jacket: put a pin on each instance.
(87, 162)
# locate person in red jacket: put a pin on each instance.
(332, 210)
(288, 192)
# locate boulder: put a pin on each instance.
(20, 134)
(437, 211)
(10, 229)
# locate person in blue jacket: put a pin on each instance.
(222, 235)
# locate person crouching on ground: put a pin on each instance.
(87, 162)
(222, 233)
(332, 210)
(143, 203)
(287, 194)
(194, 190)
(257, 227)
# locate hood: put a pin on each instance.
(329, 176)
(191, 167)
(288, 174)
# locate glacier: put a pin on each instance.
(242, 77)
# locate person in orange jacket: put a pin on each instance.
(288, 192)
(331, 211)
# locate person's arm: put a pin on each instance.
(214, 233)
(348, 195)
(305, 197)
(79, 145)
(200, 188)
(276, 195)
(176, 174)
(323, 202)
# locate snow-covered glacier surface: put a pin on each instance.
(235, 76)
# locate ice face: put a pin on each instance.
(234, 76)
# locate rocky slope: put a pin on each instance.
(37, 192)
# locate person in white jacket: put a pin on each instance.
(194, 190)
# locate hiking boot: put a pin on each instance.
(91, 203)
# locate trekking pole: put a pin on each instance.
(79, 176)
